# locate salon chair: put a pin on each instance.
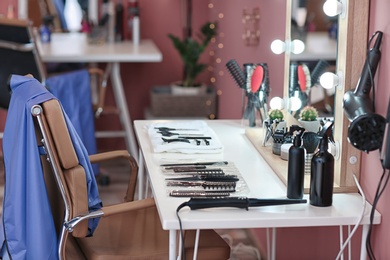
(59, 221)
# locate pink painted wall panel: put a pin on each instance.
(371, 168)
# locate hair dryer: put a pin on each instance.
(367, 128)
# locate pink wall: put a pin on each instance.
(271, 28)
(371, 169)
(161, 17)
(4, 6)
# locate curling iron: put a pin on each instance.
(236, 202)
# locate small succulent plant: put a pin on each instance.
(276, 114)
(308, 113)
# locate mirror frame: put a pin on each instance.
(351, 55)
(352, 41)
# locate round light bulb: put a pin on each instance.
(295, 103)
(278, 46)
(329, 80)
(297, 46)
(276, 103)
(332, 8)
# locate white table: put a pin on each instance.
(74, 47)
(262, 183)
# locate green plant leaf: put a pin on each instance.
(190, 51)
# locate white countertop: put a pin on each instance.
(262, 183)
(74, 47)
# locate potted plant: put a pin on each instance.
(190, 50)
(276, 114)
(308, 119)
(276, 117)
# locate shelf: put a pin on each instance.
(256, 136)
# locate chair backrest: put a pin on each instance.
(18, 54)
(64, 176)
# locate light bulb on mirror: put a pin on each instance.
(329, 80)
(276, 103)
(334, 7)
(295, 103)
(278, 46)
(297, 46)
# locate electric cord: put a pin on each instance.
(346, 242)
(370, 72)
(183, 249)
(380, 189)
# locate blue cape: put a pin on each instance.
(73, 90)
(28, 229)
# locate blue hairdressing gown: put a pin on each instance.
(28, 230)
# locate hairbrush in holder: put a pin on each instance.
(237, 73)
(255, 81)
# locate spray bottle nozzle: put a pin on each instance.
(298, 130)
(327, 132)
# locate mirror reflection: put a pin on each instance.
(318, 32)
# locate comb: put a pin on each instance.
(237, 73)
(198, 193)
(206, 177)
(216, 171)
(228, 186)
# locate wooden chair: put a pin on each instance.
(129, 230)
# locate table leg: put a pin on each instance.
(363, 251)
(141, 176)
(124, 114)
(172, 244)
(271, 243)
(341, 236)
(195, 256)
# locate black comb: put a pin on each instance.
(236, 73)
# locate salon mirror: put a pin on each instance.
(318, 32)
(351, 53)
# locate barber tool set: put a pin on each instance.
(184, 137)
(254, 80)
(203, 179)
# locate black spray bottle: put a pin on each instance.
(296, 165)
(322, 171)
